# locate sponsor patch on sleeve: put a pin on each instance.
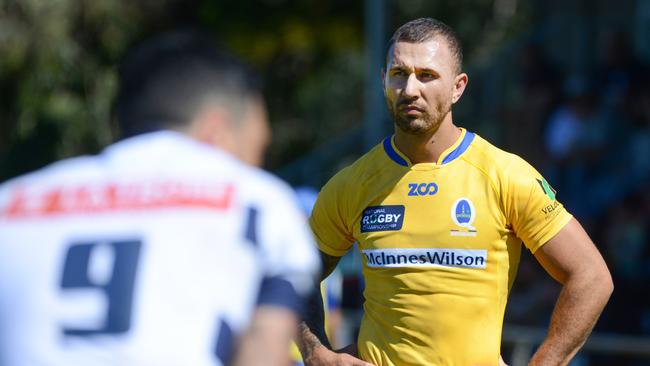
(382, 218)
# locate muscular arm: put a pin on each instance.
(312, 341)
(571, 258)
(311, 332)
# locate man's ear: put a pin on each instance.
(460, 82)
(383, 80)
(212, 126)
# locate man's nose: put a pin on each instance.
(412, 87)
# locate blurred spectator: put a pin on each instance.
(620, 70)
(637, 112)
(597, 144)
(625, 235)
(576, 130)
(626, 238)
(576, 139)
(538, 85)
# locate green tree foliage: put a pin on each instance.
(58, 68)
(58, 75)
(58, 64)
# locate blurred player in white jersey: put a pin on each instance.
(167, 248)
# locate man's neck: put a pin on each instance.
(428, 147)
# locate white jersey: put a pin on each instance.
(154, 252)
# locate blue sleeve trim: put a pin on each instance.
(277, 291)
(467, 140)
(392, 154)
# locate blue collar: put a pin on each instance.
(458, 151)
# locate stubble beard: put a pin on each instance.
(427, 122)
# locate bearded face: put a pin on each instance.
(416, 119)
(419, 85)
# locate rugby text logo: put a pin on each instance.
(382, 218)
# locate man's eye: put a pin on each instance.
(399, 73)
(427, 75)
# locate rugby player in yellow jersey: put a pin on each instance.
(440, 215)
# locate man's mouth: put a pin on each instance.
(410, 109)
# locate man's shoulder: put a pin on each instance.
(490, 158)
(504, 169)
(66, 169)
(156, 158)
(170, 153)
(59, 172)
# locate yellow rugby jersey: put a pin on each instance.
(440, 244)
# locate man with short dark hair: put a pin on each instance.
(439, 215)
(168, 248)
